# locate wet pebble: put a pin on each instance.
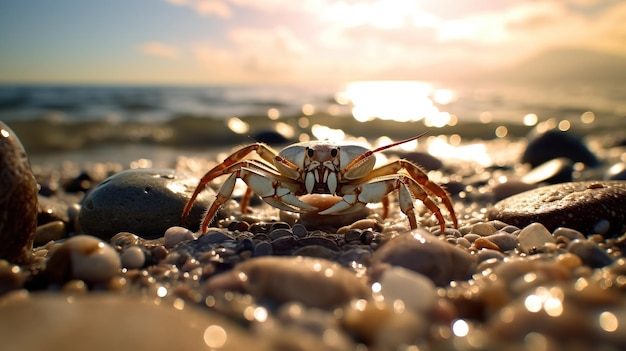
(568, 233)
(262, 248)
(504, 240)
(18, 199)
(382, 326)
(299, 230)
(310, 281)
(577, 205)
(11, 277)
(590, 253)
(132, 257)
(50, 232)
(534, 237)
(83, 257)
(416, 290)
(175, 235)
(131, 201)
(483, 229)
(425, 253)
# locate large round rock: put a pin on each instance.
(546, 146)
(144, 202)
(589, 207)
(18, 199)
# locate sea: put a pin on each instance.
(107, 121)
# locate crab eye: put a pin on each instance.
(333, 152)
(310, 152)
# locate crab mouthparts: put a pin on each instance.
(321, 180)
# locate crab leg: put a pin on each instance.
(264, 151)
(268, 186)
(420, 177)
(378, 189)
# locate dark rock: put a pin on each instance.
(543, 147)
(270, 137)
(145, 202)
(18, 199)
(577, 205)
(423, 159)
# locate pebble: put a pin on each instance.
(133, 257)
(51, 231)
(131, 200)
(18, 199)
(483, 229)
(552, 144)
(311, 281)
(568, 233)
(416, 290)
(11, 277)
(382, 326)
(426, 254)
(576, 205)
(534, 237)
(83, 257)
(504, 240)
(299, 230)
(102, 322)
(590, 253)
(175, 235)
(263, 248)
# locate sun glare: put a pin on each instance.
(401, 101)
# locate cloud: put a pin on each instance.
(158, 49)
(255, 54)
(356, 39)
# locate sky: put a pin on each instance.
(286, 41)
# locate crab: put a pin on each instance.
(345, 170)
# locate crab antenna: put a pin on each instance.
(399, 142)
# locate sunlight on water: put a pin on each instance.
(402, 101)
(439, 147)
(237, 125)
(325, 133)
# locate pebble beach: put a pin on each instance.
(95, 255)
